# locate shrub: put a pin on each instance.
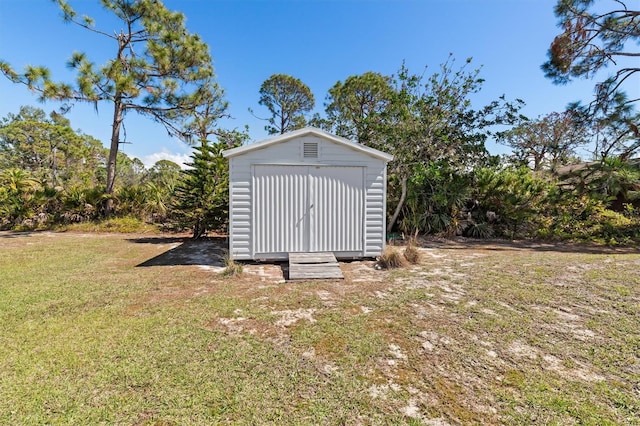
(391, 258)
(412, 253)
(479, 230)
(232, 268)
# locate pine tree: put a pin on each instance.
(158, 70)
(202, 199)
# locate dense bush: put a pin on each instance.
(511, 203)
(586, 219)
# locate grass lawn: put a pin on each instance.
(117, 329)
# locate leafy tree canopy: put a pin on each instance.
(158, 69)
(420, 119)
(356, 106)
(547, 142)
(288, 99)
(49, 148)
(593, 37)
(202, 195)
(596, 35)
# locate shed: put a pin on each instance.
(306, 191)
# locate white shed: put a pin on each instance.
(306, 191)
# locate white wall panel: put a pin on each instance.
(336, 208)
(307, 208)
(281, 210)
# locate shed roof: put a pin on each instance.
(308, 131)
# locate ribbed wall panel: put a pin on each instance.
(336, 208)
(307, 208)
(280, 209)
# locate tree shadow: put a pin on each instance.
(18, 234)
(526, 245)
(184, 251)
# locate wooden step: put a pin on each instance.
(304, 266)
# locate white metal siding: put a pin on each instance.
(280, 209)
(375, 209)
(252, 197)
(239, 210)
(336, 209)
(307, 208)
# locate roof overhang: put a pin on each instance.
(307, 131)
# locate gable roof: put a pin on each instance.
(308, 131)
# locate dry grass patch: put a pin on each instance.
(391, 258)
(412, 253)
(232, 268)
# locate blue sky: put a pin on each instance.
(317, 41)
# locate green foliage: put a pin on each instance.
(52, 175)
(19, 192)
(547, 142)
(583, 218)
(82, 204)
(512, 199)
(597, 35)
(592, 38)
(49, 148)
(202, 194)
(125, 224)
(159, 70)
(355, 109)
(164, 173)
(129, 200)
(422, 120)
(615, 178)
(480, 230)
(612, 180)
(436, 196)
(130, 171)
(288, 99)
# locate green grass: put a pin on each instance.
(468, 336)
(119, 224)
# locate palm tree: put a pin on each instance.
(16, 201)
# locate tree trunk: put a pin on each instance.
(113, 152)
(118, 109)
(403, 196)
(54, 166)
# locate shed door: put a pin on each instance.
(336, 208)
(308, 209)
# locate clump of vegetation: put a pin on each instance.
(411, 252)
(587, 220)
(127, 224)
(232, 268)
(391, 258)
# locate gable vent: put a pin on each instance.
(310, 150)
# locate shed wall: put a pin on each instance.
(241, 196)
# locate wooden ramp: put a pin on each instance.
(306, 266)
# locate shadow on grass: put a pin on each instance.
(209, 251)
(18, 234)
(524, 245)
